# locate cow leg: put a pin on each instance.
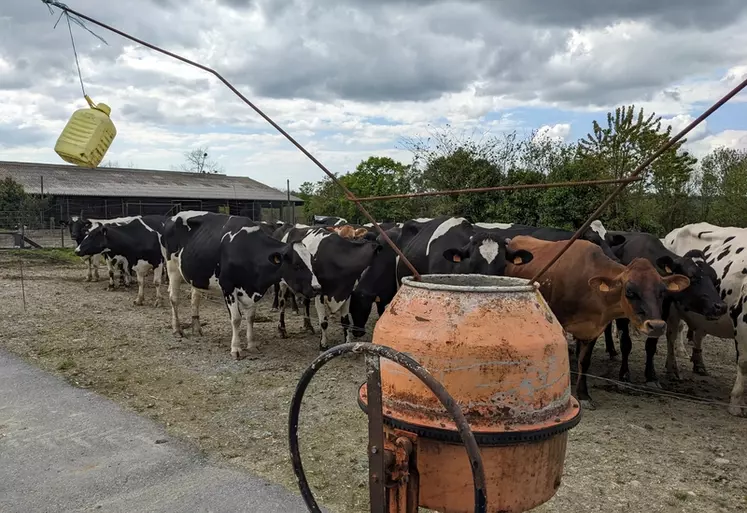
(281, 299)
(174, 282)
(673, 332)
(626, 345)
(584, 361)
(140, 286)
(110, 267)
(89, 276)
(157, 277)
(696, 336)
(346, 321)
(232, 303)
(307, 316)
(652, 380)
(123, 281)
(321, 312)
(609, 342)
(196, 328)
(738, 406)
(294, 303)
(276, 289)
(96, 261)
(251, 310)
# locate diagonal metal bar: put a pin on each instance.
(348, 194)
(638, 170)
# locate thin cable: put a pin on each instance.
(75, 52)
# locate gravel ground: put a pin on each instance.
(635, 453)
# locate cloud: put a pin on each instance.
(351, 78)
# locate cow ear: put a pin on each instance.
(519, 257)
(676, 282)
(603, 284)
(455, 255)
(616, 239)
(275, 258)
(378, 248)
(665, 263)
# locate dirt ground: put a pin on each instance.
(635, 453)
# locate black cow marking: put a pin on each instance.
(700, 235)
(726, 270)
(710, 261)
(728, 292)
(723, 253)
(744, 270)
(728, 239)
(739, 250)
(723, 294)
(325, 325)
(705, 249)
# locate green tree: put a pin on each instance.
(18, 207)
(618, 147)
(723, 187)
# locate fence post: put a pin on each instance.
(62, 236)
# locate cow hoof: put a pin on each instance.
(274, 309)
(654, 385)
(625, 377)
(700, 369)
(295, 311)
(237, 354)
(96, 278)
(157, 303)
(110, 287)
(196, 332)
(613, 356)
(673, 376)
(137, 303)
(587, 404)
(737, 410)
(88, 279)
(282, 332)
(178, 333)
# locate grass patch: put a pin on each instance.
(45, 255)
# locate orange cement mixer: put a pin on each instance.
(501, 357)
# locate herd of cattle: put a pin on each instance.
(696, 276)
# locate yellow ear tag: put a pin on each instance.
(674, 286)
(378, 299)
(456, 258)
(667, 269)
(604, 287)
(517, 260)
(277, 259)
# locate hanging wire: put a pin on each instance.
(75, 52)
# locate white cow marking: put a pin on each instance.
(598, 227)
(489, 250)
(247, 229)
(442, 229)
(305, 255)
(187, 215)
(493, 226)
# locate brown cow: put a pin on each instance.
(586, 290)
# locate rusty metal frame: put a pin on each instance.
(357, 201)
(378, 351)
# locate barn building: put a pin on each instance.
(107, 192)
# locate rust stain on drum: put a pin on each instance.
(503, 357)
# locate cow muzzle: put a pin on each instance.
(654, 328)
(719, 309)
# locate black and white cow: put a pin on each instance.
(444, 245)
(135, 243)
(203, 248)
(79, 228)
(338, 264)
(725, 250)
(329, 221)
(701, 297)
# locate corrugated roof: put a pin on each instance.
(69, 180)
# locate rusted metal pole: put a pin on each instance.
(348, 194)
(502, 188)
(643, 165)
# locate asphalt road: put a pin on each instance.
(64, 449)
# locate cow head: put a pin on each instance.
(295, 268)
(487, 254)
(79, 228)
(378, 284)
(94, 242)
(702, 296)
(640, 290)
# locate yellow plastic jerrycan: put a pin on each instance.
(87, 135)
